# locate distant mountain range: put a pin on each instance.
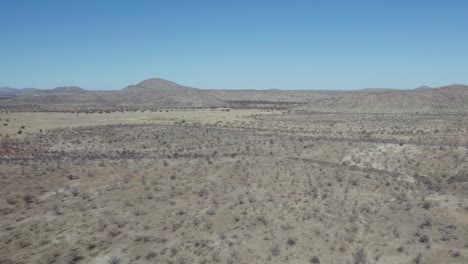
(160, 93)
(70, 90)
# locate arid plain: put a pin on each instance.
(199, 176)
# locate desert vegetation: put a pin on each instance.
(233, 186)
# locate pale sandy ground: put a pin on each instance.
(34, 122)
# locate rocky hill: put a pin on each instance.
(451, 98)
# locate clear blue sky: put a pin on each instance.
(99, 44)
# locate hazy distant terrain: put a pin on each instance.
(162, 173)
(158, 93)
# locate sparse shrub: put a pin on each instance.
(91, 246)
(275, 250)
(114, 232)
(143, 239)
(11, 200)
(28, 199)
(211, 211)
(360, 256)
(262, 219)
(401, 249)
(151, 255)
(315, 260)
(426, 205)
(74, 256)
(427, 222)
(24, 242)
(291, 242)
(72, 177)
(75, 191)
(424, 239)
(343, 248)
(174, 251)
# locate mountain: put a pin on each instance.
(65, 90)
(451, 98)
(153, 92)
(164, 93)
(423, 87)
(158, 84)
(8, 92)
(68, 90)
(160, 93)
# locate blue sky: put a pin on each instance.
(99, 44)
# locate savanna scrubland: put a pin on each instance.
(253, 182)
